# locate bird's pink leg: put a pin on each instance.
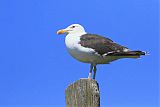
(95, 69)
(90, 72)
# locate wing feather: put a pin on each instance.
(100, 44)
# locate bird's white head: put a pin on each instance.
(72, 29)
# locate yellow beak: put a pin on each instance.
(62, 31)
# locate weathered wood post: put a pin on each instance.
(83, 93)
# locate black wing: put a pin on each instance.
(100, 44)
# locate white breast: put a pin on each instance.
(77, 51)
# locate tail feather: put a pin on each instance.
(128, 53)
(137, 53)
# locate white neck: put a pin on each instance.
(76, 34)
(72, 39)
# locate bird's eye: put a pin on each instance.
(73, 26)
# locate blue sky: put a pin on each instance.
(36, 67)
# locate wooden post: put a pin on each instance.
(83, 93)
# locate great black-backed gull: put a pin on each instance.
(94, 49)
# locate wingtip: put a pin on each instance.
(146, 53)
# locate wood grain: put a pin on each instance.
(83, 93)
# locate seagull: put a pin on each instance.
(94, 49)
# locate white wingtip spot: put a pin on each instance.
(126, 50)
(146, 53)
